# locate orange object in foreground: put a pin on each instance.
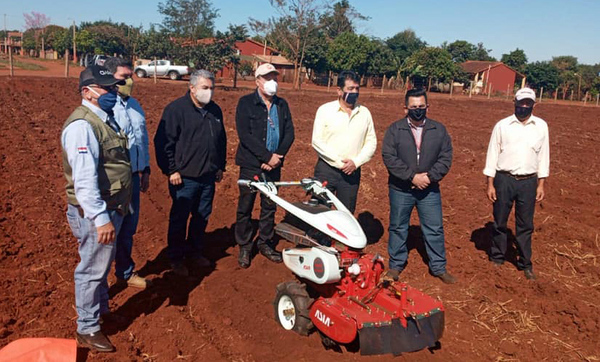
(39, 350)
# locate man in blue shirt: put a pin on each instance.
(98, 174)
(132, 119)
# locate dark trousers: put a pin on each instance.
(345, 187)
(266, 223)
(522, 193)
(194, 196)
(124, 264)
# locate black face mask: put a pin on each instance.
(523, 112)
(350, 98)
(417, 114)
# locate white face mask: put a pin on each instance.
(270, 87)
(203, 95)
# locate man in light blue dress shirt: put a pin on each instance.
(132, 119)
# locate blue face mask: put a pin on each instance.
(106, 101)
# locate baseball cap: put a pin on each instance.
(96, 74)
(265, 69)
(525, 93)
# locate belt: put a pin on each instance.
(518, 177)
(82, 214)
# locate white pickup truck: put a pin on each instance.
(164, 68)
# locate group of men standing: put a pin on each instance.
(106, 162)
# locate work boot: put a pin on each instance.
(179, 269)
(529, 274)
(496, 263)
(96, 341)
(446, 278)
(135, 281)
(270, 253)
(392, 274)
(245, 256)
(201, 262)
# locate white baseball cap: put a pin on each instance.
(525, 93)
(265, 69)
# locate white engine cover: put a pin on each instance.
(313, 264)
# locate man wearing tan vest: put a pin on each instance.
(98, 173)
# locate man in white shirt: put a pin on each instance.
(344, 138)
(517, 164)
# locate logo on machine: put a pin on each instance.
(319, 267)
(322, 318)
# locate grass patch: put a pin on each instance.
(21, 65)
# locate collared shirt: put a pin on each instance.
(132, 119)
(417, 132)
(83, 151)
(519, 148)
(338, 136)
(272, 128)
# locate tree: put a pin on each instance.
(190, 19)
(482, 53)
(567, 68)
(460, 50)
(293, 31)
(35, 20)
(382, 60)
(350, 51)
(341, 19)
(515, 59)
(431, 63)
(315, 57)
(405, 43)
(157, 43)
(542, 74)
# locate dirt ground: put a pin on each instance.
(226, 313)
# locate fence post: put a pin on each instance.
(382, 84)
(507, 90)
(585, 99)
(66, 63)
(556, 95)
(10, 61)
(471, 89)
(541, 94)
(155, 71)
(329, 81)
(451, 87)
(597, 99)
(490, 91)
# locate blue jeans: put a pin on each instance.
(124, 264)
(429, 207)
(91, 286)
(194, 196)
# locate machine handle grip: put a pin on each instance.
(244, 183)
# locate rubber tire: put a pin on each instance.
(302, 302)
(140, 73)
(173, 75)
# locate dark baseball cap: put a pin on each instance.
(99, 75)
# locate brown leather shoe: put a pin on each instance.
(392, 274)
(245, 256)
(135, 281)
(96, 341)
(446, 278)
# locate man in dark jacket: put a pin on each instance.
(191, 149)
(266, 133)
(417, 152)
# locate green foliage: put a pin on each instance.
(29, 40)
(340, 19)
(350, 51)
(381, 60)
(315, 57)
(515, 59)
(460, 50)
(482, 53)
(542, 74)
(431, 62)
(157, 43)
(191, 19)
(405, 43)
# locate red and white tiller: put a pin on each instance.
(341, 290)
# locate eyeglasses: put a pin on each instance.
(421, 106)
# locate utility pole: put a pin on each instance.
(5, 36)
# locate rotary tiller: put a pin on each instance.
(342, 291)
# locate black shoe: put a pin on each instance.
(96, 341)
(529, 274)
(270, 253)
(244, 257)
(497, 263)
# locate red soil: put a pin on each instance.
(226, 313)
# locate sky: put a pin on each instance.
(542, 28)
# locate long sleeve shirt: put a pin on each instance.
(83, 151)
(132, 119)
(338, 136)
(519, 148)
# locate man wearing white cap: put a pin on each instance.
(266, 132)
(517, 164)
